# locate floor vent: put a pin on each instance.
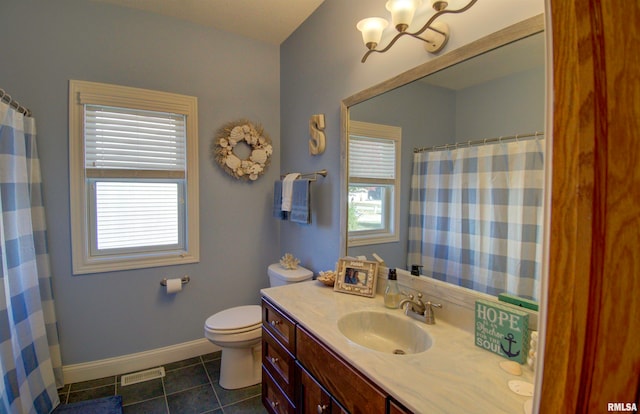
(142, 376)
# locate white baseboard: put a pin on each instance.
(135, 362)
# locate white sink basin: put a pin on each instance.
(384, 332)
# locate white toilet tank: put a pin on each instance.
(279, 276)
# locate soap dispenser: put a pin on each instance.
(391, 292)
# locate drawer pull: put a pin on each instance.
(275, 322)
(322, 408)
(274, 360)
(274, 404)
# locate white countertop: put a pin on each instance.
(453, 376)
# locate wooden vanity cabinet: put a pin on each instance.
(302, 375)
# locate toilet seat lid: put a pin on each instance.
(235, 318)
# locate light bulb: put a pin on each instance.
(371, 29)
(402, 12)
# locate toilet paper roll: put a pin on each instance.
(174, 285)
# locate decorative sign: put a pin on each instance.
(316, 130)
(502, 330)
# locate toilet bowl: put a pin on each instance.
(238, 332)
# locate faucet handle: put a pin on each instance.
(409, 295)
(429, 316)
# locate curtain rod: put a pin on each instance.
(478, 142)
(5, 97)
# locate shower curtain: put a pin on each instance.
(29, 352)
(475, 216)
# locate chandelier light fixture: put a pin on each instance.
(434, 34)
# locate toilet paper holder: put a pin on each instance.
(184, 279)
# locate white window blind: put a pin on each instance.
(372, 158)
(129, 156)
(123, 138)
(134, 214)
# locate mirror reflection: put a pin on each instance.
(446, 173)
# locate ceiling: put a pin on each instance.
(270, 21)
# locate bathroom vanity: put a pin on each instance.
(300, 374)
(309, 365)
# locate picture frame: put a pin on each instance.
(356, 277)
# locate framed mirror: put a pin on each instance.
(486, 94)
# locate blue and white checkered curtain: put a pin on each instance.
(29, 352)
(476, 216)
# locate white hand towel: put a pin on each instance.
(287, 190)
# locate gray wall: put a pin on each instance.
(46, 43)
(320, 66)
(505, 106)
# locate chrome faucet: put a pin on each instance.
(417, 306)
(419, 310)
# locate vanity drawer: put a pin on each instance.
(273, 398)
(346, 385)
(281, 327)
(279, 362)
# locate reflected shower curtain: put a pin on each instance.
(475, 216)
(30, 359)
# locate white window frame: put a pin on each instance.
(82, 93)
(391, 231)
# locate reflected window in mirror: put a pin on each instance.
(374, 179)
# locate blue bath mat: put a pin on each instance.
(107, 405)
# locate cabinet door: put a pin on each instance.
(314, 399)
(344, 382)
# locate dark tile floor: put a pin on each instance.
(189, 386)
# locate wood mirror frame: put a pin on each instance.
(592, 352)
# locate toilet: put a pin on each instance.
(238, 332)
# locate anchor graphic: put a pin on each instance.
(509, 337)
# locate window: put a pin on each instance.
(374, 180)
(134, 178)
